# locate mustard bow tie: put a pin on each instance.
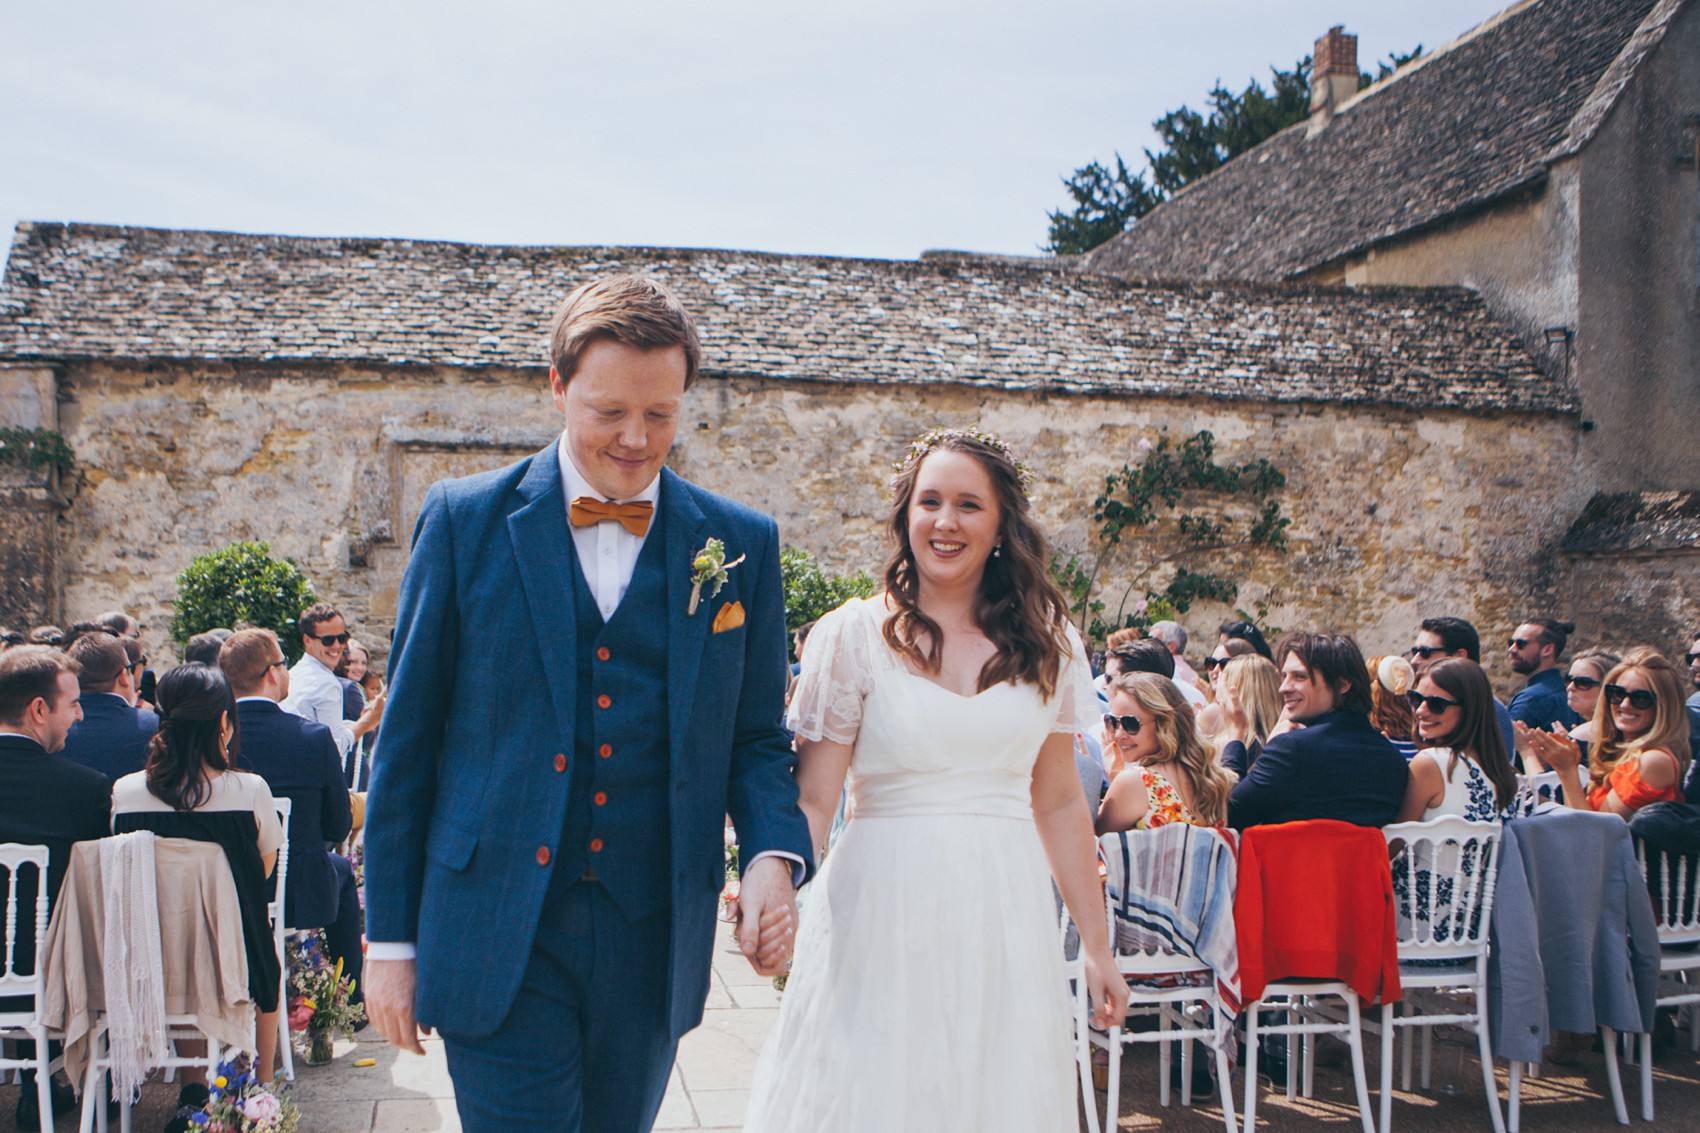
(634, 517)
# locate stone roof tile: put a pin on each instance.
(1482, 117)
(89, 292)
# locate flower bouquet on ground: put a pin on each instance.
(238, 1103)
(319, 1007)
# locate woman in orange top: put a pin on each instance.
(1641, 749)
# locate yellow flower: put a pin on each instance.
(221, 1082)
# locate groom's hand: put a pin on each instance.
(390, 988)
(767, 915)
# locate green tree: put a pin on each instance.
(1185, 502)
(242, 584)
(1194, 145)
(811, 591)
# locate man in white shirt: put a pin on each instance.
(315, 693)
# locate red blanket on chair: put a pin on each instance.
(1315, 901)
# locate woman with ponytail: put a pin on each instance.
(190, 789)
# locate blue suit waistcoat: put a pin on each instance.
(619, 766)
(470, 799)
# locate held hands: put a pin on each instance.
(767, 915)
(390, 989)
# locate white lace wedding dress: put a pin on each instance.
(928, 991)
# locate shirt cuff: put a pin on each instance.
(798, 872)
(391, 950)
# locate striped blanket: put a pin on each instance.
(1171, 890)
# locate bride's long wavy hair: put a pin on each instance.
(1019, 608)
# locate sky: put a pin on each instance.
(872, 128)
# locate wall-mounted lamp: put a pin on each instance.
(1558, 336)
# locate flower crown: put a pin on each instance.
(930, 440)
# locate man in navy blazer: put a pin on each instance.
(588, 675)
(112, 737)
(298, 760)
(45, 800)
(1336, 765)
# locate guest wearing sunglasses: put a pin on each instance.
(1693, 660)
(1582, 685)
(1641, 748)
(1534, 651)
(1463, 768)
(1439, 638)
(314, 691)
(1170, 774)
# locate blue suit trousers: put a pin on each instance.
(586, 1047)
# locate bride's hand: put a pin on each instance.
(1107, 988)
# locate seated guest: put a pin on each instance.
(1210, 716)
(1248, 633)
(1463, 769)
(1582, 685)
(190, 790)
(1641, 748)
(1249, 697)
(203, 648)
(1442, 637)
(1170, 774)
(1173, 635)
(298, 760)
(1148, 655)
(1392, 680)
(45, 800)
(113, 735)
(1535, 649)
(314, 691)
(48, 635)
(1335, 766)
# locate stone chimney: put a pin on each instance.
(1333, 75)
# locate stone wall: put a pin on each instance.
(1396, 513)
(31, 503)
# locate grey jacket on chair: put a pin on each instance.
(1571, 913)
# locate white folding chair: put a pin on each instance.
(1075, 969)
(1444, 872)
(1534, 790)
(26, 1024)
(1676, 906)
(274, 913)
(1187, 1010)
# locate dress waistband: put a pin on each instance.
(903, 794)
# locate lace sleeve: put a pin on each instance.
(836, 674)
(1076, 699)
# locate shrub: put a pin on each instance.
(811, 591)
(242, 584)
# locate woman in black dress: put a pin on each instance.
(190, 789)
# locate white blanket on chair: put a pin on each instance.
(134, 970)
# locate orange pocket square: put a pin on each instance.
(731, 616)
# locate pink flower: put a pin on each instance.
(261, 1107)
(300, 1014)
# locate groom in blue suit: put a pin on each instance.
(574, 709)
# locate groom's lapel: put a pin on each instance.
(543, 548)
(686, 532)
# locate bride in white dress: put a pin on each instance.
(928, 990)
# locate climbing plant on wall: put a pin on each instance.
(1184, 510)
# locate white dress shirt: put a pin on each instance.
(316, 694)
(607, 552)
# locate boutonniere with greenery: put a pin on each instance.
(709, 567)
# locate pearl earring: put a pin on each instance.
(997, 550)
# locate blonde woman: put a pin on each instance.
(1171, 774)
(1249, 695)
(1640, 750)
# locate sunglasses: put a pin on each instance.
(1128, 724)
(280, 663)
(1215, 662)
(1640, 700)
(1583, 683)
(330, 639)
(1426, 651)
(1690, 658)
(1436, 704)
(1519, 643)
